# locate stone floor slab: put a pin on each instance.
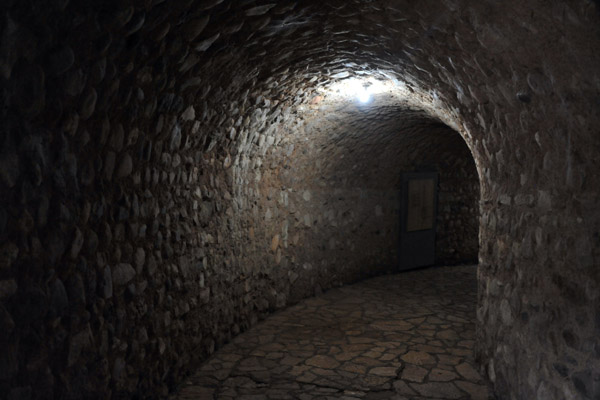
(403, 336)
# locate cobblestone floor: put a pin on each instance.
(402, 336)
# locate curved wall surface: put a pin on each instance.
(172, 171)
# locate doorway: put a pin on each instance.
(418, 214)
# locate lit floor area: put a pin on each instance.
(403, 336)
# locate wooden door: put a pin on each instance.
(418, 219)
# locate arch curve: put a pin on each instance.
(145, 144)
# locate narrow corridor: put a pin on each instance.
(403, 336)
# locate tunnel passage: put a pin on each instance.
(332, 191)
(371, 145)
(138, 157)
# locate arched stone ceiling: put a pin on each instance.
(140, 139)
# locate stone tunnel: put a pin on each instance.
(173, 171)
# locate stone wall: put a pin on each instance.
(457, 237)
(144, 143)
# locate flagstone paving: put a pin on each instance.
(403, 336)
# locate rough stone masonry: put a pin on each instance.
(172, 171)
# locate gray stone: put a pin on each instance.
(140, 259)
(151, 265)
(75, 83)
(20, 393)
(193, 28)
(468, 372)
(260, 10)
(121, 17)
(118, 368)
(56, 247)
(91, 242)
(142, 286)
(584, 384)
(3, 220)
(133, 136)
(562, 369)
(402, 388)
(122, 273)
(77, 244)
(9, 55)
(132, 289)
(109, 165)
(444, 390)
(506, 312)
(9, 169)
(76, 290)
(9, 252)
(189, 114)
(88, 104)
(98, 71)
(544, 200)
(117, 138)
(208, 4)
(107, 283)
(59, 302)
(77, 344)
(61, 60)
(136, 23)
(206, 211)
(206, 43)
(9, 363)
(176, 161)
(162, 31)
(31, 101)
(543, 392)
(7, 322)
(175, 141)
(125, 167)
(8, 288)
(539, 83)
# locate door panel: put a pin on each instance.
(418, 219)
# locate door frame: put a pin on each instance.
(417, 248)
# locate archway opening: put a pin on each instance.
(332, 196)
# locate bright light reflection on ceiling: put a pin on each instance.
(361, 89)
